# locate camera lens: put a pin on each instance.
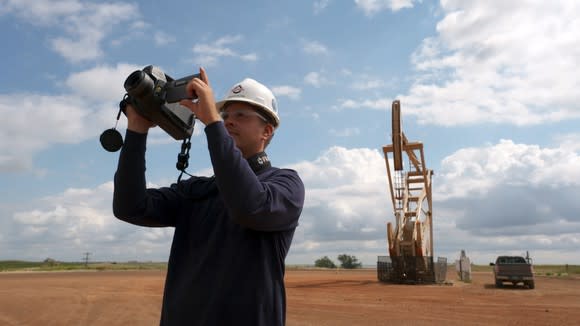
(138, 84)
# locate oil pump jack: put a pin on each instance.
(410, 239)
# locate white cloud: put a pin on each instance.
(316, 79)
(314, 47)
(41, 11)
(80, 220)
(32, 122)
(570, 142)
(346, 72)
(84, 48)
(101, 83)
(481, 67)
(288, 91)
(346, 198)
(85, 24)
(162, 38)
(208, 54)
(320, 5)
(511, 196)
(87, 108)
(249, 57)
(378, 104)
(371, 7)
(346, 132)
(476, 171)
(366, 83)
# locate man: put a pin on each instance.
(232, 230)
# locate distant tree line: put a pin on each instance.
(346, 262)
(50, 262)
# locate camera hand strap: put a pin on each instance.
(183, 156)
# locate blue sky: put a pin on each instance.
(489, 87)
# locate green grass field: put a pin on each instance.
(545, 270)
(17, 265)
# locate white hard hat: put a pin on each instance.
(250, 91)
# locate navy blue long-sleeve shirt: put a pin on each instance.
(232, 233)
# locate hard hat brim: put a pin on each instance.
(263, 109)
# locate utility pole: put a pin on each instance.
(86, 258)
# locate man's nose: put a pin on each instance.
(228, 121)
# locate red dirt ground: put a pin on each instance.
(314, 298)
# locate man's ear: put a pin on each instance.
(268, 131)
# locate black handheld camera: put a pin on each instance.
(154, 95)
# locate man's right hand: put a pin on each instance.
(136, 122)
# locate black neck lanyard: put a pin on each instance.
(259, 162)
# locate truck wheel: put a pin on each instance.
(498, 284)
(531, 285)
